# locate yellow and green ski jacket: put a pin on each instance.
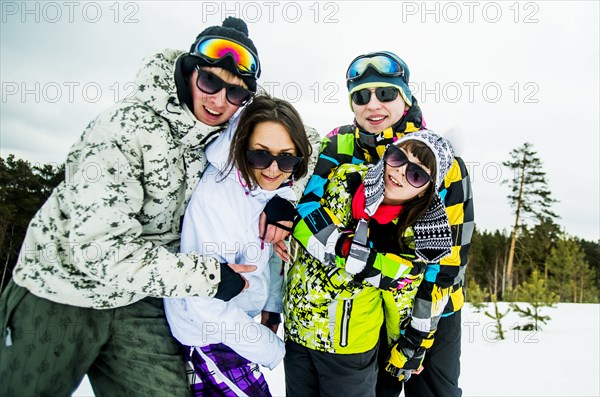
(441, 293)
(328, 309)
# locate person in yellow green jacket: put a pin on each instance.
(385, 111)
(393, 223)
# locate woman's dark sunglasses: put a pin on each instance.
(384, 94)
(209, 83)
(415, 175)
(261, 159)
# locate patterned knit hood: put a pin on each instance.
(433, 238)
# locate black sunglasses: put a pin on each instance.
(261, 159)
(415, 175)
(210, 83)
(384, 94)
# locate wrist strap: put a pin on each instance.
(279, 225)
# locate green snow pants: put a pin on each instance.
(46, 348)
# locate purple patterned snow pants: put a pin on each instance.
(216, 370)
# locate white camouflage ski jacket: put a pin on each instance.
(109, 234)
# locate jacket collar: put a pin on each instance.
(373, 145)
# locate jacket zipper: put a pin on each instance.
(345, 322)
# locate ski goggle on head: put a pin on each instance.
(213, 49)
(383, 63)
(415, 174)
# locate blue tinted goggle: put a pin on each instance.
(382, 63)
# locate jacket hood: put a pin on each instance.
(156, 88)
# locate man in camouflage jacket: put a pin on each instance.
(103, 250)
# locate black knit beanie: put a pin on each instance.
(234, 29)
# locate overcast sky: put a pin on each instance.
(505, 73)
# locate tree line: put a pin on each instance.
(499, 261)
(569, 265)
(535, 251)
(24, 187)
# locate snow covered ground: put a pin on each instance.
(561, 360)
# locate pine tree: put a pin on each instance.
(538, 243)
(486, 258)
(591, 249)
(529, 195)
(497, 250)
(23, 189)
(533, 249)
(477, 296)
(478, 265)
(497, 316)
(534, 293)
(570, 274)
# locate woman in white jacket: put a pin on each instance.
(260, 160)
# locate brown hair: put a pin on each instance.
(265, 108)
(416, 207)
